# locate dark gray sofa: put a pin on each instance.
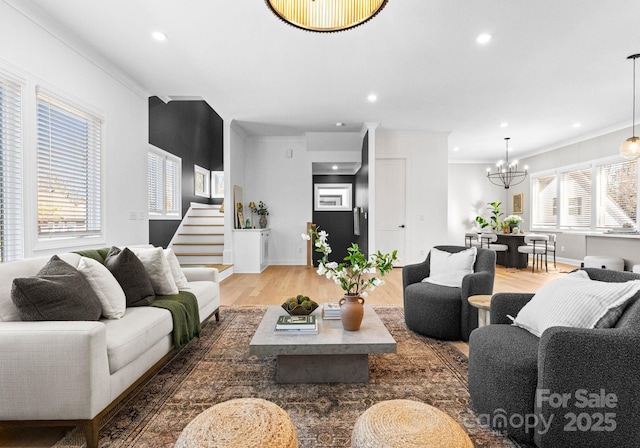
(443, 312)
(513, 373)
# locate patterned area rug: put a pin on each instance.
(218, 367)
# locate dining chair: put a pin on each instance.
(551, 247)
(488, 241)
(471, 239)
(536, 245)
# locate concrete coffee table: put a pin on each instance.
(331, 356)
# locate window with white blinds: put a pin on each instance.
(544, 199)
(164, 184)
(69, 144)
(599, 197)
(11, 238)
(617, 194)
(575, 211)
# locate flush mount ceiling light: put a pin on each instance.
(507, 173)
(630, 148)
(483, 38)
(159, 36)
(326, 16)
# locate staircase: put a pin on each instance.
(199, 241)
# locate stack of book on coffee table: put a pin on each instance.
(296, 325)
(331, 310)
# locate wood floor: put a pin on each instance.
(276, 284)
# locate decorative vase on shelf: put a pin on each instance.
(351, 312)
(263, 221)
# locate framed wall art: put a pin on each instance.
(517, 204)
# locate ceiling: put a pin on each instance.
(550, 64)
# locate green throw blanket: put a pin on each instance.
(183, 306)
(186, 318)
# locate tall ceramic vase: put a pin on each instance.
(351, 312)
(263, 222)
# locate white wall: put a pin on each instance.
(285, 185)
(234, 156)
(427, 183)
(46, 57)
(469, 193)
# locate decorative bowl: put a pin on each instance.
(294, 306)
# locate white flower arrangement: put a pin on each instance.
(355, 275)
(512, 220)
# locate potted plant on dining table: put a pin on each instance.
(513, 223)
(356, 275)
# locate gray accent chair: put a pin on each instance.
(443, 312)
(507, 365)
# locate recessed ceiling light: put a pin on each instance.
(159, 36)
(334, 167)
(576, 125)
(456, 149)
(483, 38)
(372, 97)
(504, 124)
(339, 124)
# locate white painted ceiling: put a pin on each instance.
(550, 64)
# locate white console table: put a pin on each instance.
(250, 250)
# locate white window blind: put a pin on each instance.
(576, 199)
(617, 194)
(173, 190)
(544, 201)
(164, 184)
(11, 245)
(69, 186)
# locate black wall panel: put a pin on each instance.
(338, 224)
(193, 131)
(362, 197)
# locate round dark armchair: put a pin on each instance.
(443, 312)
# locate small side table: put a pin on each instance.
(483, 303)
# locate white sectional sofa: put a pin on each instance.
(71, 372)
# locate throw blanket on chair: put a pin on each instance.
(186, 318)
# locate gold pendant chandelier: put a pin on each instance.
(326, 16)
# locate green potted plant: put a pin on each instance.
(494, 220)
(495, 215)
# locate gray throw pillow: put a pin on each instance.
(58, 292)
(130, 273)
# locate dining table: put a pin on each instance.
(512, 258)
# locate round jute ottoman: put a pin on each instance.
(406, 424)
(240, 423)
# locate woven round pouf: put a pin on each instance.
(240, 423)
(405, 424)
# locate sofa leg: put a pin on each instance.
(216, 313)
(92, 432)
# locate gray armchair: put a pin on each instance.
(513, 373)
(443, 312)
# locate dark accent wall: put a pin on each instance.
(193, 131)
(362, 197)
(338, 224)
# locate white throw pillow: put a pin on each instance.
(176, 270)
(104, 284)
(448, 269)
(158, 269)
(575, 301)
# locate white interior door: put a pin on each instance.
(391, 206)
